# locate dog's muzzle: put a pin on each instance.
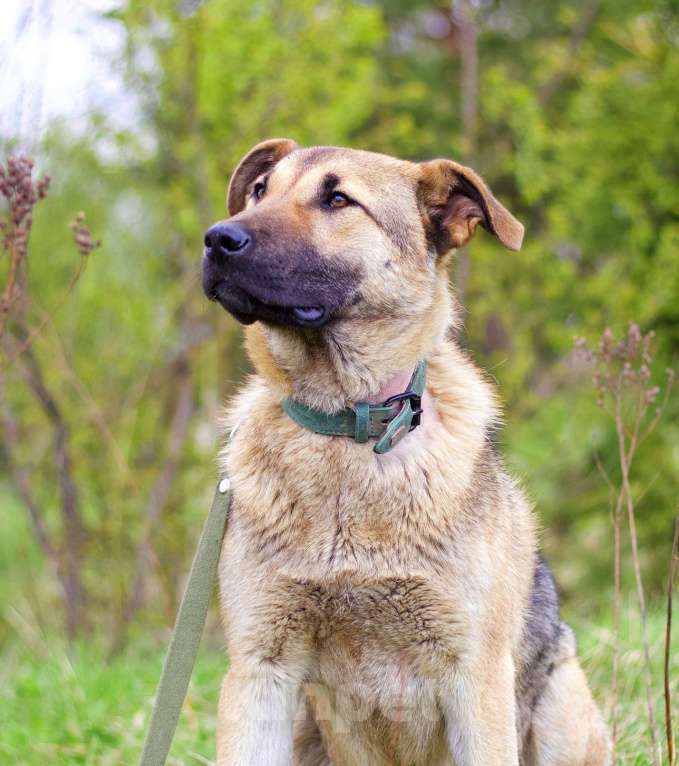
(256, 277)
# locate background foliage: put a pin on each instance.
(567, 108)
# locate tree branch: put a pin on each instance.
(159, 494)
(21, 479)
(463, 16)
(74, 528)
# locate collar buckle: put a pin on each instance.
(415, 406)
(402, 423)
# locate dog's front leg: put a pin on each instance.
(480, 714)
(257, 707)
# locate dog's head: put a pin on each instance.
(320, 234)
(326, 238)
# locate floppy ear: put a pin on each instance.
(257, 161)
(455, 200)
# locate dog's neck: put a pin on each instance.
(349, 362)
(329, 374)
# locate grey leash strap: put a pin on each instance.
(188, 629)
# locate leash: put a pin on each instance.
(188, 630)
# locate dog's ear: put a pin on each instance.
(455, 200)
(257, 161)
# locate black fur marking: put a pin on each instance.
(546, 642)
(492, 434)
(437, 233)
(330, 183)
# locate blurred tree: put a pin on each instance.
(566, 107)
(575, 133)
(140, 364)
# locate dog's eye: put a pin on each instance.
(258, 190)
(337, 200)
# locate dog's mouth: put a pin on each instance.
(247, 308)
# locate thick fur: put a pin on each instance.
(380, 609)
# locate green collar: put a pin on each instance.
(388, 422)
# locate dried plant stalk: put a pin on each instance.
(21, 194)
(625, 390)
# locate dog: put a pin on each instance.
(382, 592)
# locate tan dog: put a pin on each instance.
(379, 608)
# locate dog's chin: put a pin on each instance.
(246, 308)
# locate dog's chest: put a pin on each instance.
(355, 612)
(351, 562)
(357, 621)
(349, 511)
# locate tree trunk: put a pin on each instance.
(463, 16)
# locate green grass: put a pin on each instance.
(596, 647)
(68, 706)
(60, 706)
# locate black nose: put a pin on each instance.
(227, 239)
